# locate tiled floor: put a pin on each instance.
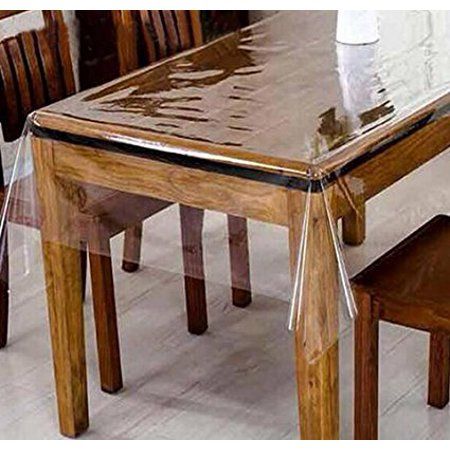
(237, 380)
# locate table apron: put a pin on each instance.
(383, 170)
(193, 187)
(239, 196)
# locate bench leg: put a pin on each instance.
(439, 370)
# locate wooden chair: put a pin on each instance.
(8, 13)
(144, 37)
(408, 286)
(35, 70)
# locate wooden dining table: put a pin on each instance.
(254, 125)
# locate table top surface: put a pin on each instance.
(281, 95)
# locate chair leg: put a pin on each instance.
(105, 312)
(439, 370)
(239, 261)
(194, 274)
(4, 292)
(132, 248)
(366, 368)
(354, 226)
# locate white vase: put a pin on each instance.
(357, 27)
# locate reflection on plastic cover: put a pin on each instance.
(259, 89)
(282, 88)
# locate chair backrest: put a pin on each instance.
(35, 70)
(144, 37)
(5, 13)
(216, 23)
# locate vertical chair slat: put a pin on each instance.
(196, 26)
(10, 116)
(149, 39)
(27, 43)
(52, 82)
(171, 31)
(184, 32)
(63, 48)
(58, 38)
(160, 34)
(21, 78)
(126, 41)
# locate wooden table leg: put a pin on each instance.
(63, 283)
(354, 226)
(317, 379)
(132, 244)
(439, 370)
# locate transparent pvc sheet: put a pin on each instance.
(19, 206)
(401, 178)
(318, 306)
(321, 286)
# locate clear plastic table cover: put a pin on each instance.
(284, 100)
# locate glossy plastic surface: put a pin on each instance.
(281, 96)
(282, 90)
